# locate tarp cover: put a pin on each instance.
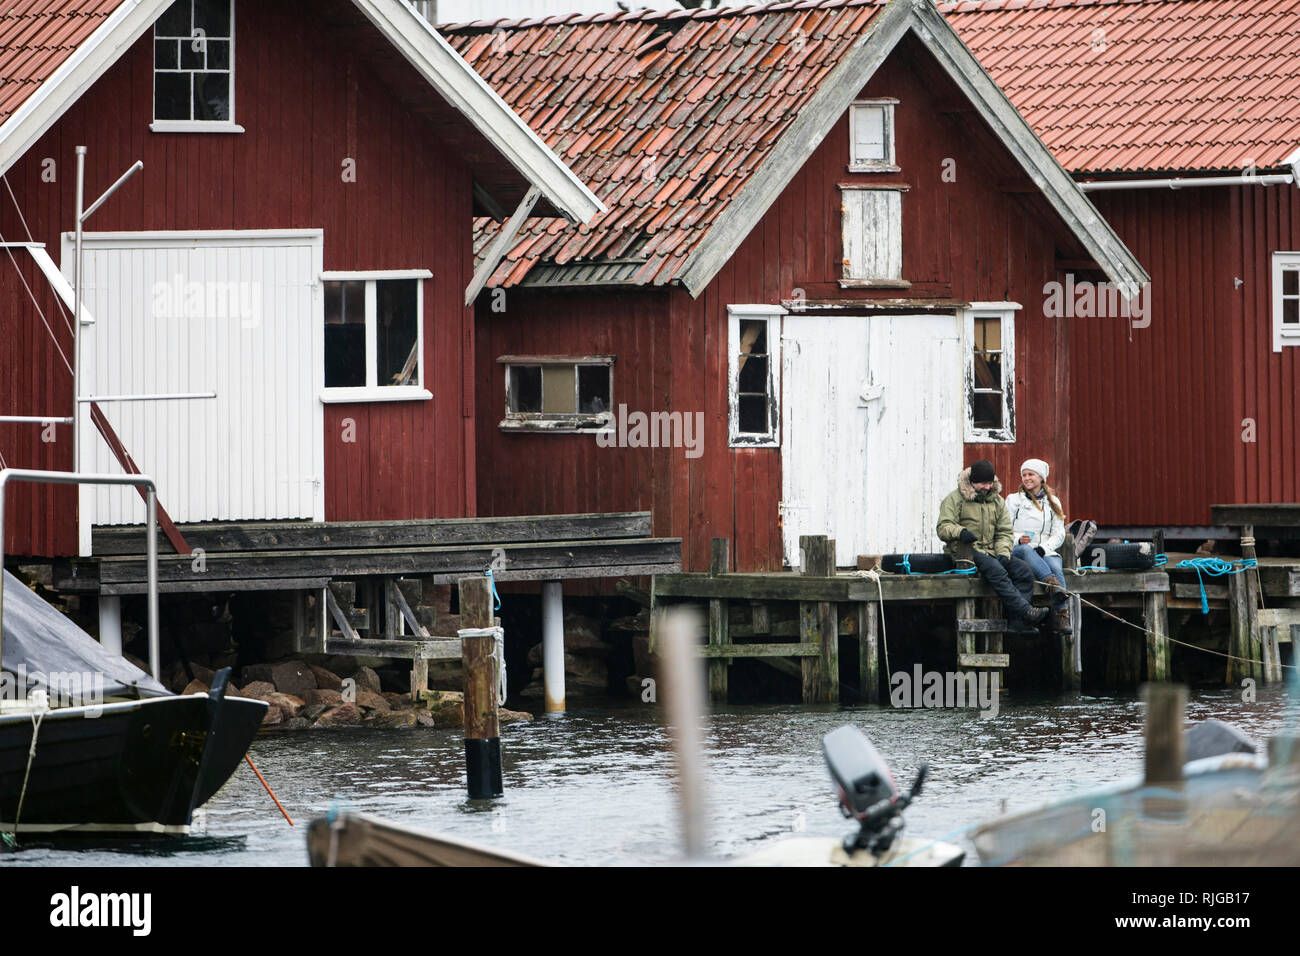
(39, 642)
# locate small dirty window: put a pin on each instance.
(990, 384)
(374, 341)
(1286, 300)
(558, 393)
(753, 375)
(193, 65)
(871, 136)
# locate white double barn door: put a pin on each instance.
(871, 436)
(236, 314)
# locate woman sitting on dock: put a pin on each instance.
(1038, 527)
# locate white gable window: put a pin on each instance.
(194, 68)
(374, 336)
(754, 375)
(871, 136)
(1286, 299)
(990, 379)
(872, 221)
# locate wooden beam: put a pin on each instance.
(325, 535)
(501, 244)
(1282, 515)
(1156, 619)
(435, 650)
(341, 619)
(819, 624)
(983, 660)
(805, 650)
(869, 651)
(719, 563)
(479, 660)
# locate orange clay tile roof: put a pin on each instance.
(664, 115)
(1129, 86)
(37, 37)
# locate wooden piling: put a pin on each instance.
(965, 608)
(1071, 679)
(819, 624)
(869, 650)
(1155, 615)
(1256, 652)
(719, 563)
(1239, 626)
(479, 659)
(1165, 748)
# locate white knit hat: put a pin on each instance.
(1035, 464)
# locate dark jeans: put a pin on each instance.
(1043, 567)
(1013, 584)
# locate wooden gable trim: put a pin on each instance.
(412, 36)
(75, 75)
(841, 89)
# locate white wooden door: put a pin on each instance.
(914, 433)
(237, 314)
(871, 441)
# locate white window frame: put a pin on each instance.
(1283, 335)
(773, 315)
(372, 391)
(886, 165)
(193, 125)
(1006, 312)
(849, 281)
(558, 422)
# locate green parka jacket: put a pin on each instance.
(985, 516)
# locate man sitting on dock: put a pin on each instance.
(975, 525)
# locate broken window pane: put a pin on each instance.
(558, 396)
(988, 410)
(751, 410)
(593, 389)
(525, 388)
(396, 331)
(345, 334)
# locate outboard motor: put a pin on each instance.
(867, 790)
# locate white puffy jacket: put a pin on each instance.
(1044, 528)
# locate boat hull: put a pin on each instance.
(134, 767)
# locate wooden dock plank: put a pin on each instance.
(713, 651)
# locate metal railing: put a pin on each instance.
(72, 478)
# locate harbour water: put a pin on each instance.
(597, 787)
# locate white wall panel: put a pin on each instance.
(233, 313)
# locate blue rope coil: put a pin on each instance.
(1215, 568)
(496, 598)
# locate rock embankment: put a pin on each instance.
(303, 696)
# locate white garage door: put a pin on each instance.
(235, 313)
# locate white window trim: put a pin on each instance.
(191, 125)
(372, 391)
(1283, 336)
(1006, 311)
(558, 423)
(773, 314)
(887, 165)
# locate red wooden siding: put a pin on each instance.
(307, 101)
(968, 240)
(1161, 440)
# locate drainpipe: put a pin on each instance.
(1280, 179)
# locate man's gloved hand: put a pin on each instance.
(966, 536)
(1004, 560)
(1041, 552)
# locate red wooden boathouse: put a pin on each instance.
(299, 243)
(1182, 120)
(820, 279)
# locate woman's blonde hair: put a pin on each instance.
(1051, 499)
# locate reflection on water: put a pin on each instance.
(596, 787)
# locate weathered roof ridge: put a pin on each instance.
(670, 17)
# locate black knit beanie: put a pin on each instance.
(981, 471)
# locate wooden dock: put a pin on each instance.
(832, 605)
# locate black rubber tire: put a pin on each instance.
(924, 563)
(1120, 557)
